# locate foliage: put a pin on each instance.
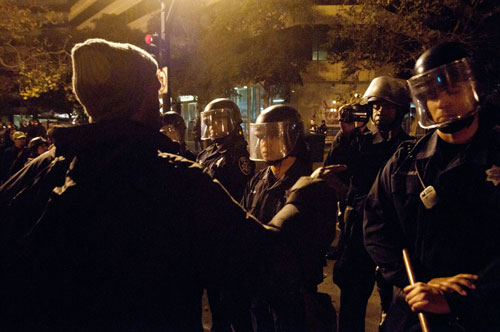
(35, 44)
(31, 59)
(253, 42)
(380, 32)
(216, 47)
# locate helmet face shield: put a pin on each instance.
(273, 141)
(172, 132)
(217, 123)
(444, 94)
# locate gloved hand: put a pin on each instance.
(329, 175)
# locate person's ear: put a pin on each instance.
(162, 77)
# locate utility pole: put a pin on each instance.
(164, 61)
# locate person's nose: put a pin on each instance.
(444, 99)
(379, 109)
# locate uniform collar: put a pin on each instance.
(268, 174)
(294, 172)
(379, 138)
(229, 145)
(429, 146)
(476, 151)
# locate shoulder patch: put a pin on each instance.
(493, 175)
(245, 165)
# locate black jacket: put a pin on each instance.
(364, 153)
(307, 226)
(458, 235)
(264, 196)
(228, 162)
(24, 196)
(116, 247)
(13, 159)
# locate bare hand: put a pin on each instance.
(458, 283)
(424, 297)
(329, 175)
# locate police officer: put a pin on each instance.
(277, 138)
(174, 127)
(226, 159)
(365, 154)
(439, 199)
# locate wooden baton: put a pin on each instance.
(411, 277)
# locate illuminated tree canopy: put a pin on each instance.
(32, 61)
(380, 32)
(235, 43)
(228, 43)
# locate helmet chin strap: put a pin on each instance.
(275, 162)
(458, 125)
(235, 133)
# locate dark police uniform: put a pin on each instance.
(264, 198)
(264, 195)
(188, 155)
(229, 164)
(460, 234)
(310, 222)
(364, 154)
(354, 272)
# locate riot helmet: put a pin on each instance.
(393, 90)
(385, 93)
(276, 134)
(444, 88)
(173, 126)
(219, 119)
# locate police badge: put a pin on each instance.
(244, 165)
(493, 174)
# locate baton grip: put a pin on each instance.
(422, 318)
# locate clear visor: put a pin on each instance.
(217, 123)
(172, 132)
(444, 94)
(273, 141)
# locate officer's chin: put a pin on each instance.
(380, 124)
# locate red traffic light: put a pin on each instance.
(152, 40)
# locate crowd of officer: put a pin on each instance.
(438, 199)
(115, 228)
(364, 152)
